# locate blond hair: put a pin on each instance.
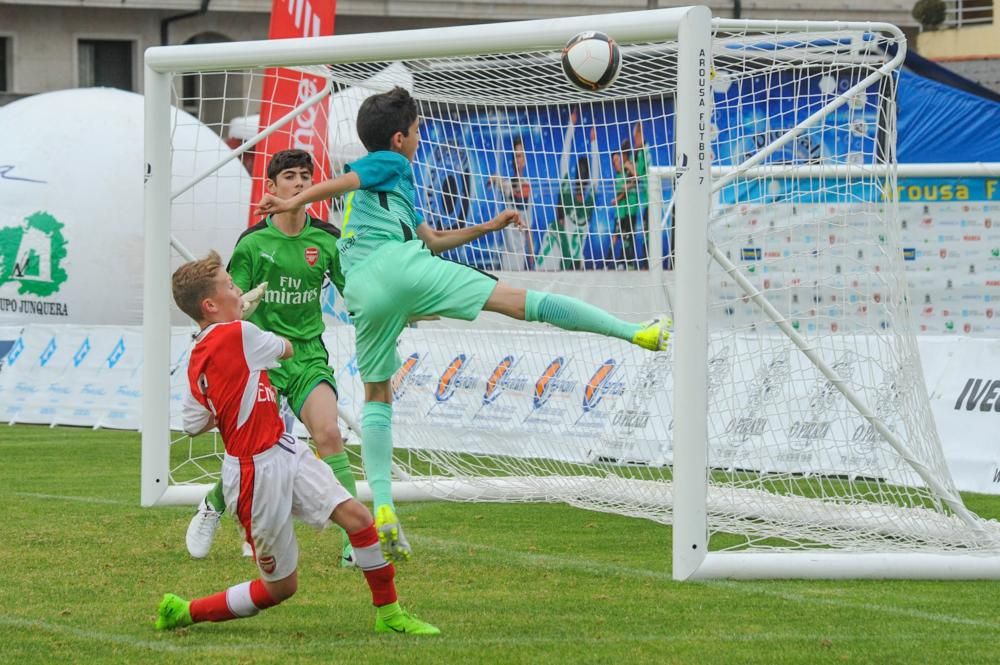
(193, 282)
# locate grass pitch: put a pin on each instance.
(82, 568)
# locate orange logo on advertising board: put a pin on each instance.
(494, 385)
(447, 382)
(546, 382)
(399, 378)
(593, 391)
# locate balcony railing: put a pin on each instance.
(966, 13)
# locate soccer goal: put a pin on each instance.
(739, 176)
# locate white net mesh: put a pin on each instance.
(517, 409)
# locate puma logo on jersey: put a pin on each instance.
(269, 257)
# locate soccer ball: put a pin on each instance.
(591, 61)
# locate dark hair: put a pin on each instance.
(582, 168)
(288, 159)
(381, 116)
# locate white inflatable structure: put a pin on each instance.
(71, 206)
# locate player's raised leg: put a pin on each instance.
(571, 313)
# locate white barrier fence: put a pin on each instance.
(91, 376)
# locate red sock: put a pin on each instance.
(259, 595)
(379, 573)
(381, 583)
(236, 602)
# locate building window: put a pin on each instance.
(106, 63)
(5, 62)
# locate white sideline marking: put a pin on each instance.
(75, 499)
(92, 635)
(552, 561)
(168, 645)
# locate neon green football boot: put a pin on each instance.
(394, 619)
(173, 612)
(394, 545)
(655, 335)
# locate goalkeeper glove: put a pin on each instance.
(252, 298)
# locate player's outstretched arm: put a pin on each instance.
(440, 241)
(272, 205)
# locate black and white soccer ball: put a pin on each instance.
(591, 60)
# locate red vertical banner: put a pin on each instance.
(286, 89)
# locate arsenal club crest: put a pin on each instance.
(312, 255)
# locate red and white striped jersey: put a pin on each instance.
(227, 379)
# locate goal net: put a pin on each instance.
(738, 176)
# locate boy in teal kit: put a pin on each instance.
(392, 276)
(291, 255)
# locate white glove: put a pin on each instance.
(252, 298)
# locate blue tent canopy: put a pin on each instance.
(944, 117)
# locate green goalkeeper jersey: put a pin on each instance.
(382, 210)
(295, 269)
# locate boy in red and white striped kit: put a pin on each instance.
(268, 476)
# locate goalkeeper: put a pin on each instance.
(392, 275)
(290, 256)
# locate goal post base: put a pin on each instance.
(822, 565)
(428, 489)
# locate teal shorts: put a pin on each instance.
(400, 281)
(299, 375)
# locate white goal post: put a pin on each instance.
(786, 432)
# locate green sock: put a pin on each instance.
(215, 498)
(571, 314)
(384, 611)
(341, 466)
(376, 450)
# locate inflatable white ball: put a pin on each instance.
(71, 205)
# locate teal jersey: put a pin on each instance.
(382, 210)
(295, 269)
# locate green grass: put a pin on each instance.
(82, 568)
